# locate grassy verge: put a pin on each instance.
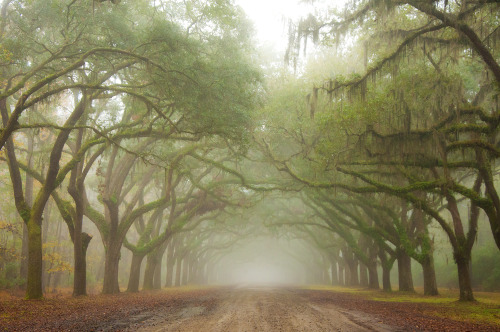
(486, 309)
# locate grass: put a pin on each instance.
(486, 309)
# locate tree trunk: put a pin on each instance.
(464, 278)
(386, 271)
(80, 273)
(373, 276)
(335, 277)
(386, 279)
(353, 272)
(341, 275)
(210, 273)
(34, 280)
(404, 272)
(110, 283)
(81, 242)
(170, 264)
(157, 275)
(149, 272)
(45, 233)
(158, 267)
(135, 273)
(178, 272)
(29, 201)
(23, 271)
(185, 270)
(363, 275)
(192, 272)
(430, 284)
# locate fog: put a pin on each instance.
(262, 262)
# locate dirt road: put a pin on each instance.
(196, 309)
(254, 309)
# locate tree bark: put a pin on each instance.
(353, 279)
(404, 272)
(135, 273)
(386, 271)
(149, 271)
(341, 275)
(335, 276)
(157, 275)
(23, 270)
(178, 271)
(430, 284)
(185, 270)
(34, 281)
(170, 264)
(363, 275)
(29, 201)
(464, 278)
(373, 282)
(110, 282)
(80, 273)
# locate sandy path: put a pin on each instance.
(257, 309)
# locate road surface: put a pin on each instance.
(252, 309)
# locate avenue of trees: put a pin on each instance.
(151, 126)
